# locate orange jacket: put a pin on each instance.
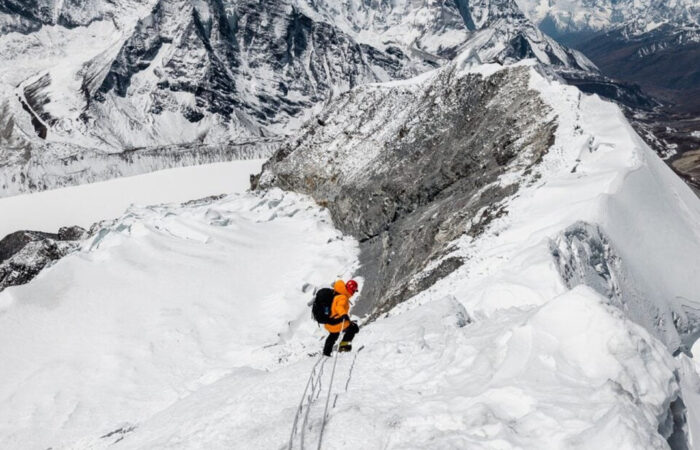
(340, 307)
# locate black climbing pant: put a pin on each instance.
(332, 337)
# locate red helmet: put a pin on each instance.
(351, 286)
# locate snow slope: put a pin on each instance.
(160, 304)
(542, 377)
(90, 203)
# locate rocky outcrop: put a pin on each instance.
(408, 168)
(24, 254)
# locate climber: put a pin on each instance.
(331, 308)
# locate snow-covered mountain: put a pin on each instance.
(527, 263)
(194, 81)
(650, 43)
(574, 19)
(528, 278)
(407, 186)
(472, 212)
(203, 74)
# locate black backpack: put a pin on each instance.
(321, 308)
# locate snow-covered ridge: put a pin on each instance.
(428, 378)
(587, 128)
(600, 210)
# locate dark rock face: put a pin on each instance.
(408, 169)
(136, 55)
(211, 78)
(24, 254)
(262, 62)
(27, 16)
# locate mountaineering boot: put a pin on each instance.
(344, 346)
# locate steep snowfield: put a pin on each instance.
(90, 203)
(161, 303)
(556, 376)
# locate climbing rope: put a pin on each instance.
(330, 386)
(309, 382)
(312, 391)
(313, 396)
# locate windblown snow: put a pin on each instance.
(188, 326)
